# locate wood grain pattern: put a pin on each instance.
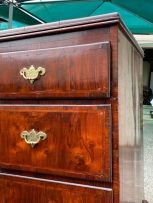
(70, 26)
(78, 142)
(18, 189)
(80, 109)
(69, 72)
(84, 36)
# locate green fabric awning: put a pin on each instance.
(136, 14)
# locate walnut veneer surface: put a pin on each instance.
(88, 103)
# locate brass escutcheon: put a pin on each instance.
(32, 73)
(33, 137)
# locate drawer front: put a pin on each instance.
(78, 142)
(18, 189)
(81, 71)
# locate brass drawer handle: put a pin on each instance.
(32, 73)
(33, 137)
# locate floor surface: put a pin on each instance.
(148, 157)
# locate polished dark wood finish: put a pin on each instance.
(69, 72)
(70, 25)
(118, 55)
(20, 189)
(70, 148)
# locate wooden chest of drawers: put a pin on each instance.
(70, 113)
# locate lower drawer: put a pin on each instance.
(22, 189)
(70, 140)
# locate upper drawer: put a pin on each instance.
(73, 141)
(81, 71)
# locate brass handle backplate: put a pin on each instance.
(33, 137)
(32, 73)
